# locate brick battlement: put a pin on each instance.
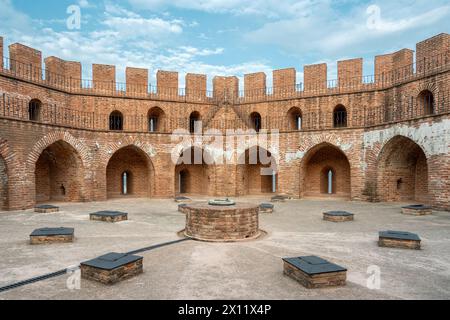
(433, 55)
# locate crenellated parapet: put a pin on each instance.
(315, 77)
(25, 61)
(59, 71)
(137, 80)
(432, 55)
(225, 88)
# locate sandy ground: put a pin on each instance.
(247, 270)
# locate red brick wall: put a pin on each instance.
(255, 84)
(196, 85)
(429, 50)
(25, 61)
(103, 77)
(3, 185)
(137, 80)
(284, 81)
(225, 86)
(315, 77)
(1, 52)
(22, 142)
(350, 72)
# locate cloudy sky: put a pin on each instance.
(221, 37)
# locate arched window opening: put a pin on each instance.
(116, 121)
(194, 118)
(295, 119)
(340, 117)
(155, 116)
(426, 102)
(256, 121)
(34, 108)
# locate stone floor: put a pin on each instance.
(247, 270)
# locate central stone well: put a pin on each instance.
(222, 221)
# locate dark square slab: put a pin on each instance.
(339, 213)
(182, 198)
(52, 232)
(46, 207)
(314, 265)
(417, 207)
(112, 214)
(400, 235)
(111, 261)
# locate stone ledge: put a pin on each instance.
(338, 216)
(417, 210)
(46, 209)
(313, 272)
(399, 239)
(266, 208)
(52, 235)
(183, 200)
(109, 216)
(112, 268)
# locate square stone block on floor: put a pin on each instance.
(313, 272)
(338, 216)
(399, 239)
(52, 235)
(266, 208)
(45, 208)
(182, 208)
(183, 200)
(417, 210)
(279, 198)
(109, 216)
(112, 268)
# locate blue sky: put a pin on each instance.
(222, 37)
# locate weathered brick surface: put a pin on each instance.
(215, 223)
(315, 77)
(104, 77)
(71, 155)
(137, 80)
(334, 218)
(51, 239)
(350, 72)
(417, 212)
(399, 243)
(112, 276)
(317, 281)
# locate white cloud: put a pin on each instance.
(329, 32)
(85, 4)
(269, 8)
(126, 39)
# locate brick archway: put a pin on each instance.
(402, 168)
(194, 173)
(316, 165)
(59, 174)
(7, 163)
(133, 162)
(255, 173)
(81, 149)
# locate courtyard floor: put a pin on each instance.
(246, 270)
